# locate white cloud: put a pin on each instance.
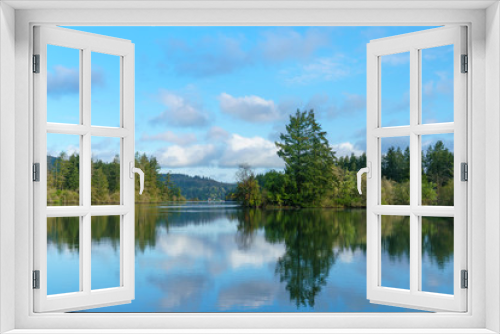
(179, 292)
(396, 59)
(180, 111)
(248, 295)
(353, 103)
(325, 105)
(186, 247)
(254, 151)
(55, 150)
(346, 148)
(105, 148)
(208, 56)
(428, 88)
(229, 151)
(442, 86)
(325, 69)
(261, 253)
(346, 256)
(63, 80)
(284, 43)
(169, 136)
(177, 156)
(442, 53)
(216, 133)
(221, 54)
(249, 108)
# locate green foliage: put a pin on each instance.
(201, 188)
(63, 174)
(352, 163)
(437, 176)
(274, 184)
(396, 236)
(247, 190)
(309, 160)
(438, 169)
(437, 239)
(100, 186)
(156, 188)
(313, 177)
(63, 181)
(396, 164)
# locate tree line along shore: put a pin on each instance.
(313, 176)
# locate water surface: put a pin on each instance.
(205, 257)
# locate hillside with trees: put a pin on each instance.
(200, 187)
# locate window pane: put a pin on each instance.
(105, 90)
(437, 254)
(105, 257)
(395, 90)
(395, 171)
(63, 169)
(437, 84)
(63, 85)
(395, 231)
(105, 170)
(437, 170)
(63, 255)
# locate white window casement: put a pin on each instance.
(86, 44)
(416, 44)
(472, 310)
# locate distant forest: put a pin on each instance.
(200, 187)
(63, 181)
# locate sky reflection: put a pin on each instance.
(235, 260)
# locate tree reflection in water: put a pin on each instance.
(313, 238)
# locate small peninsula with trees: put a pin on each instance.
(314, 177)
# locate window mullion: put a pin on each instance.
(415, 261)
(86, 173)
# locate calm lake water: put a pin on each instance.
(204, 257)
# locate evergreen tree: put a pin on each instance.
(100, 186)
(438, 167)
(72, 179)
(438, 164)
(309, 159)
(113, 172)
(396, 164)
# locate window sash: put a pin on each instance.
(86, 297)
(413, 43)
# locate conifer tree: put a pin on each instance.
(309, 159)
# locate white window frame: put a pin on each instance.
(123, 50)
(483, 101)
(414, 43)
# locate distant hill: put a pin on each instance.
(51, 161)
(192, 187)
(200, 187)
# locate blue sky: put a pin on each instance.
(210, 98)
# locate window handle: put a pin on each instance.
(368, 171)
(133, 170)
